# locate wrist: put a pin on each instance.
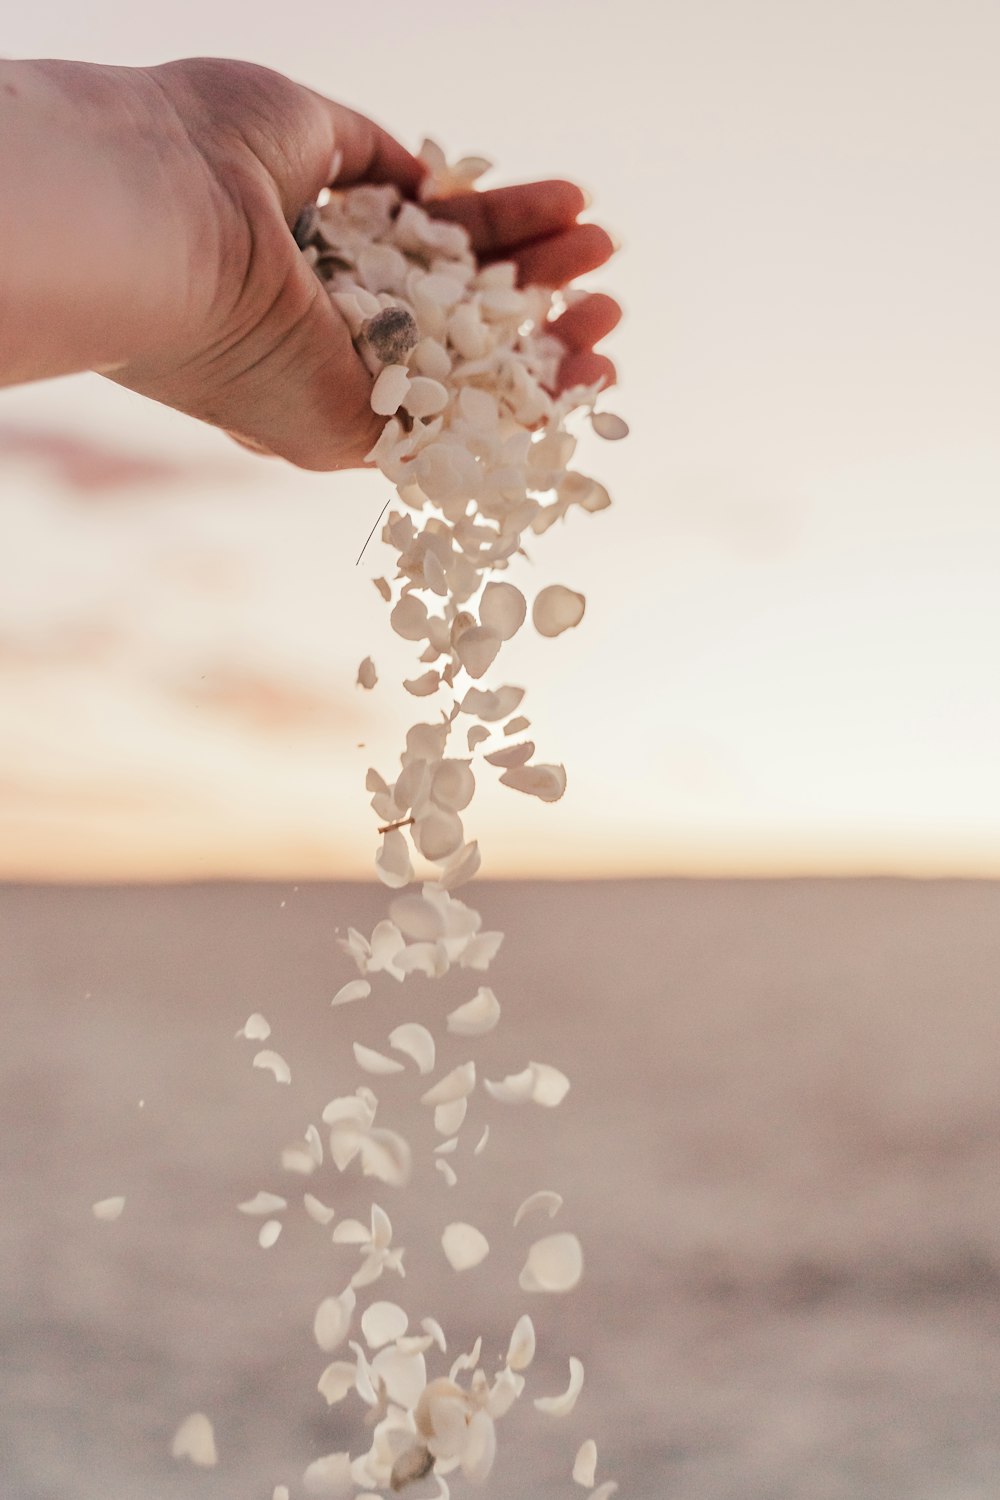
(92, 249)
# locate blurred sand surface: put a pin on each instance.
(780, 1151)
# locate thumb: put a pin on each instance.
(297, 386)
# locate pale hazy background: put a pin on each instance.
(789, 661)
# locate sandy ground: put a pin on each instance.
(780, 1151)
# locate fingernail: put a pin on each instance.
(588, 199)
(616, 243)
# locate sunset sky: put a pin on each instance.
(790, 661)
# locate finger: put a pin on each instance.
(558, 260)
(587, 322)
(584, 367)
(502, 218)
(368, 153)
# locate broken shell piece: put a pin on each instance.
(448, 1118)
(433, 1327)
(550, 1086)
(318, 1211)
(546, 782)
(375, 1062)
(454, 1085)
(609, 426)
(464, 1246)
(516, 1088)
(477, 1016)
(585, 1464)
(108, 1209)
(392, 862)
(389, 390)
(195, 1440)
(269, 1233)
(477, 649)
(383, 1323)
(561, 1406)
(274, 1063)
(329, 1476)
(425, 397)
(604, 1491)
(503, 607)
(355, 989)
(337, 1380)
(415, 1041)
(554, 1264)
(557, 609)
(521, 1350)
(447, 1171)
(544, 1199)
(255, 1028)
(509, 756)
(263, 1203)
(333, 1320)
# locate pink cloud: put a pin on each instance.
(92, 467)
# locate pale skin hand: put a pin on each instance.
(145, 231)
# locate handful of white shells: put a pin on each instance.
(476, 444)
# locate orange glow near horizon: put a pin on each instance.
(788, 663)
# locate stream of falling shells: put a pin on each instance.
(478, 450)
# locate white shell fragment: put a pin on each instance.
(502, 609)
(548, 783)
(337, 1381)
(383, 1323)
(464, 1246)
(604, 1491)
(480, 1145)
(371, 1061)
(263, 1203)
(477, 1016)
(355, 989)
(475, 440)
(317, 1210)
(415, 1041)
(390, 390)
(585, 1464)
(609, 426)
(274, 1063)
(521, 1350)
(333, 1320)
(454, 1085)
(556, 609)
(433, 1327)
(550, 1086)
(108, 1209)
(269, 1232)
(544, 1199)
(561, 1406)
(329, 1476)
(255, 1028)
(554, 1264)
(448, 1118)
(195, 1440)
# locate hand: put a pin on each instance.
(215, 310)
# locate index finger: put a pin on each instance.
(500, 219)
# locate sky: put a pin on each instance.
(789, 660)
